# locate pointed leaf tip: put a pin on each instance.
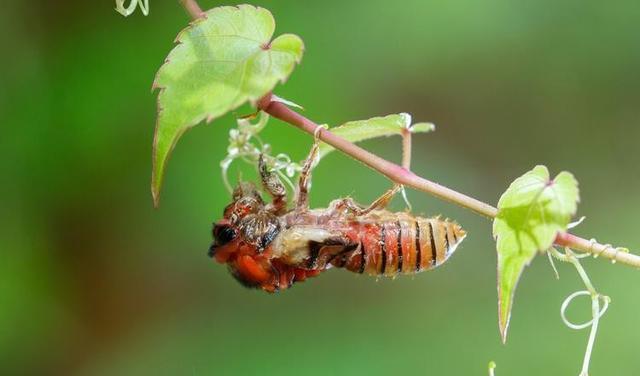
(530, 214)
(221, 62)
(382, 126)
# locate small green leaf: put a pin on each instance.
(530, 214)
(423, 127)
(222, 61)
(360, 130)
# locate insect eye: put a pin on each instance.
(224, 235)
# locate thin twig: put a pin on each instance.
(615, 254)
(394, 172)
(403, 176)
(192, 7)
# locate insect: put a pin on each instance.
(270, 246)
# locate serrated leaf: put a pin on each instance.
(360, 130)
(222, 61)
(530, 214)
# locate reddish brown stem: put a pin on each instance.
(405, 177)
(615, 254)
(192, 7)
(391, 170)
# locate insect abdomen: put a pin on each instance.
(406, 245)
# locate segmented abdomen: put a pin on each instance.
(404, 245)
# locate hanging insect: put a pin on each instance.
(271, 247)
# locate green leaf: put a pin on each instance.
(222, 61)
(530, 214)
(355, 131)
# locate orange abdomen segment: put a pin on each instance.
(406, 245)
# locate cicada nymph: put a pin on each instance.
(270, 246)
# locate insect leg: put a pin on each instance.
(302, 202)
(272, 184)
(380, 203)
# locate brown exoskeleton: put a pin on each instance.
(270, 246)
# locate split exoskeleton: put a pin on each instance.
(270, 246)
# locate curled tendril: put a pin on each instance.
(593, 242)
(592, 249)
(599, 312)
(618, 250)
(596, 299)
(127, 11)
(245, 144)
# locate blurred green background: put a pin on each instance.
(94, 281)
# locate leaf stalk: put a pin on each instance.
(192, 7)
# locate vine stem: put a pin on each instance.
(192, 7)
(405, 177)
(394, 172)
